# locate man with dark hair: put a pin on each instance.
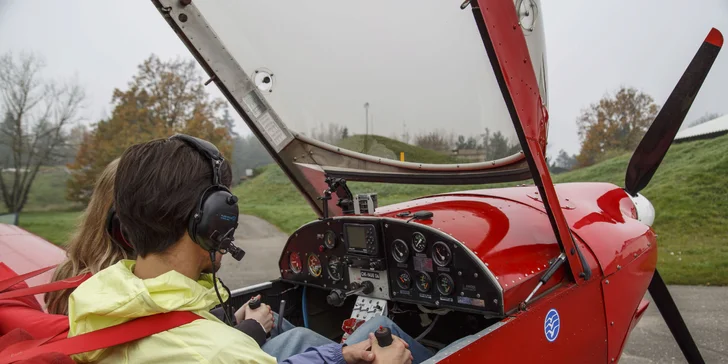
(157, 190)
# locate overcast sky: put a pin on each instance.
(592, 48)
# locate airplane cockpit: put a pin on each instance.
(339, 272)
(442, 267)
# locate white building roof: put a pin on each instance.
(719, 124)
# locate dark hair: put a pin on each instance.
(158, 186)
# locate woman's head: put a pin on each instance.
(90, 248)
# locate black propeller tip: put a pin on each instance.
(658, 138)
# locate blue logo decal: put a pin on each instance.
(228, 217)
(551, 325)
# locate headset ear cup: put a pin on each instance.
(116, 233)
(193, 226)
(218, 217)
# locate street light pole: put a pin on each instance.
(366, 117)
(366, 120)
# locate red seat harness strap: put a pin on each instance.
(9, 282)
(72, 282)
(95, 340)
(105, 338)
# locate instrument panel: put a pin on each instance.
(405, 261)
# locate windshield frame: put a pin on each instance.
(294, 152)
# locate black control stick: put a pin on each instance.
(254, 303)
(337, 297)
(384, 336)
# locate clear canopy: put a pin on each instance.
(377, 77)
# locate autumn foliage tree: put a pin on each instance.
(615, 124)
(163, 98)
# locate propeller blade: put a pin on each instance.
(673, 319)
(654, 145)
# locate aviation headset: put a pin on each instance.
(213, 222)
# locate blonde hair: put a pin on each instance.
(90, 248)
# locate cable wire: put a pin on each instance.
(428, 329)
(304, 308)
(214, 282)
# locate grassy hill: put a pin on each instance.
(389, 148)
(271, 196)
(48, 192)
(688, 191)
(47, 213)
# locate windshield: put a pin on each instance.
(389, 79)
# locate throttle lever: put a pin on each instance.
(281, 311)
(337, 297)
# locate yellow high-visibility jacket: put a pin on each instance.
(115, 295)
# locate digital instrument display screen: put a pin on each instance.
(357, 236)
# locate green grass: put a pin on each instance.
(690, 195)
(47, 213)
(689, 192)
(48, 192)
(55, 227)
(272, 197)
(389, 148)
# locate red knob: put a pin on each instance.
(321, 248)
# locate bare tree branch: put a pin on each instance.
(33, 129)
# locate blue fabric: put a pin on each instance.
(330, 353)
(296, 345)
(296, 341)
(419, 352)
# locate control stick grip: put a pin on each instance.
(384, 336)
(254, 303)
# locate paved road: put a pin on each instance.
(262, 243)
(705, 309)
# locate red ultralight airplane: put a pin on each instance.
(561, 268)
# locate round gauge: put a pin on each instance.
(294, 262)
(330, 239)
(445, 284)
(314, 265)
(418, 242)
(441, 254)
(424, 282)
(400, 251)
(334, 268)
(404, 280)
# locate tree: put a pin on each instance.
(498, 147)
(331, 134)
(614, 124)
(704, 118)
(228, 122)
(461, 143)
(33, 132)
(249, 153)
(163, 98)
(564, 162)
(435, 140)
(405, 137)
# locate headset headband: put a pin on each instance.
(206, 148)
